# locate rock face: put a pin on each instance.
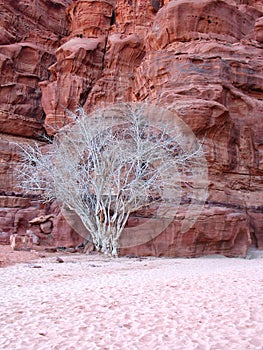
(29, 35)
(200, 59)
(30, 32)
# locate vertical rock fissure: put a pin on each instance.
(104, 51)
(84, 95)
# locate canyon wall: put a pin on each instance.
(203, 60)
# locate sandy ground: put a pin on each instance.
(93, 302)
(10, 257)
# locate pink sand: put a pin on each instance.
(92, 302)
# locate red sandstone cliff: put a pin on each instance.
(201, 59)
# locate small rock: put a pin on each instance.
(46, 227)
(131, 256)
(70, 250)
(59, 260)
(4, 237)
(21, 242)
(41, 255)
(61, 248)
(35, 238)
(79, 248)
(51, 250)
(41, 219)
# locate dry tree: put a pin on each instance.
(111, 164)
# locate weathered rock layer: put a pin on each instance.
(200, 59)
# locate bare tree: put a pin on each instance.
(110, 164)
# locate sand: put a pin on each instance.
(93, 302)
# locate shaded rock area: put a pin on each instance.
(201, 59)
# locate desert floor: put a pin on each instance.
(94, 302)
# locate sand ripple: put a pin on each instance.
(91, 302)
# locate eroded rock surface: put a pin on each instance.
(200, 59)
(30, 33)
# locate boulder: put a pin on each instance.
(21, 242)
(259, 30)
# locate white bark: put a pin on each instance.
(107, 166)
